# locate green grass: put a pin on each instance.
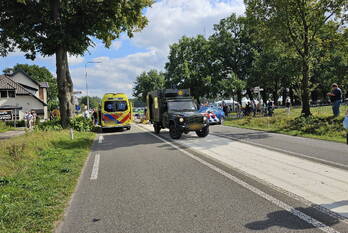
(38, 173)
(321, 125)
(4, 127)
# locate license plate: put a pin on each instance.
(195, 126)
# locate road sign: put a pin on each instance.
(5, 115)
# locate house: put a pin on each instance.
(19, 93)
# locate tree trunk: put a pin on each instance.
(306, 111)
(64, 82)
(65, 87)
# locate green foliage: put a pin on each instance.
(50, 125)
(44, 26)
(36, 185)
(66, 27)
(320, 125)
(94, 101)
(20, 123)
(81, 124)
(147, 82)
(189, 66)
(298, 25)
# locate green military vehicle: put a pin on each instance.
(175, 109)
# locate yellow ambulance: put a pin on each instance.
(116, 111)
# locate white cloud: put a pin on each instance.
(75, 60)
(114, 75)
(169, 20)
(116, 44)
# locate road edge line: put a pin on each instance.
(59, 223)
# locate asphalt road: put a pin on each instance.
(319, 150)
(136, 182)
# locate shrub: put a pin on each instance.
(81, 124)
(20, 123)
(49, 125)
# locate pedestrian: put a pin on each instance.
(288, 104)
(95, 117)
(270, 108)
(26, 120)
(345, 124)
(30, 120)
(336, 99)
(253, 107)
(225, 109)
(33, 113)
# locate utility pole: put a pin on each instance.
(87, 80)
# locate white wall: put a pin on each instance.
(26, 102)
(22, 79)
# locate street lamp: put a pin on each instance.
(87, 80)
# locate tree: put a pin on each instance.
(40, 74)
(296, 23)
(189, 66)
(59, 27)
(94, 101)
(146, 82)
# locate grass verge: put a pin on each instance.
(321, 125)
(38, 173)
(4, 127)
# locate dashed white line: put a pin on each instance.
(101, 138)
(94, 174)
(260, 193)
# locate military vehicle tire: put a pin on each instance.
(174, 132)
(203, 132)
(157, 128)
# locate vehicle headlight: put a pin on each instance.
(205, 118)
(181, 120)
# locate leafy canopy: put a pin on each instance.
(147, 82)
(30, 26)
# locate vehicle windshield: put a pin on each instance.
(182, 106)
(115, 106)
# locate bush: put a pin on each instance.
(49, 125)
(20, 123)
(81, 124)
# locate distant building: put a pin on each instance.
(19, 93)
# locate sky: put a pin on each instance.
(117, 67)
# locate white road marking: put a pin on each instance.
(101, 138)
(285, 151)
(94, 174)
(260, 193)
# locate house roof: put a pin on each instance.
(23, 72)
(8, 84)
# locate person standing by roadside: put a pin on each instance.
(288, 104)
(30, 120)
(95, 117)
(336, 99)
(26, 120)
(34, 117)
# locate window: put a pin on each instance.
(181, 106)
(3, 93)
(115, 106)
(11, 94)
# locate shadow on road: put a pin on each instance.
(285, 219)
